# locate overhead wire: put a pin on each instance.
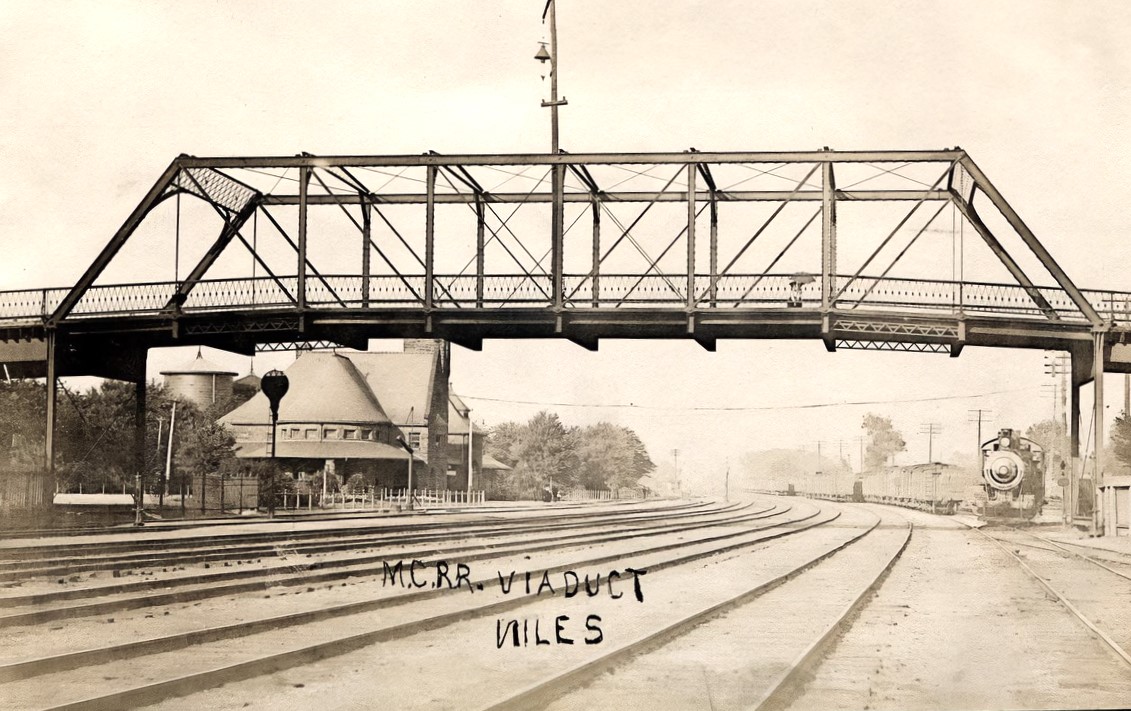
(750, 408)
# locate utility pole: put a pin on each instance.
(977, 416)
(557, 228)
(930, 429)
(727, 490)
(1058, 365)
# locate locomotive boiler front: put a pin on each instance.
(1013, 471)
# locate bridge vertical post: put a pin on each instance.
(429, 238)
(480, 246)
(558, 237)
(366, 237)
(596, 251)
(52, 391)
(691, 173)
(139, 443)
(1075, 466)
(303, 185)
(714, 266)
(1097, 429)
(828, 236)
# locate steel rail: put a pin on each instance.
(284, 516)
(791, 678)
(1094, 561)
(182, 581)
(359, 567)
(1083, 619)
(190, 683)
(541, 694)
(84, 549)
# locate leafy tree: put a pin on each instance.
(1121, 440)
(601, 456)
(610, 457)
(884, 441)
(209, 449)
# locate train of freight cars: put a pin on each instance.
(1011, 484)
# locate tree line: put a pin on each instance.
(548, 458)
(94, 441)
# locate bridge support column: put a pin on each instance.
(1098, 429)
(52, 391)
(139, 444)
(1075, 470)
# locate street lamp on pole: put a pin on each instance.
(274, 385)
(551, 56)
(557, 226)
(408, 448)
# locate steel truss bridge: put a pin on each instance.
(691, 245)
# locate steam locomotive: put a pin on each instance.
(1013, 476)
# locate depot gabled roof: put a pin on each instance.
(324, 387)
(404, 381)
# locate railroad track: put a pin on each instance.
(1073, 579)
(330, 632)
(22, 557)
(771, 666)
(284, 517)
(45, 607)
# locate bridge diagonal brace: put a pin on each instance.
(495, 236)
(898, 257)
(314, 270)
(653, 264)
(967, 210)
(232, 226)
(154, 197)
(762, 228)
(626, 234)
(1030, 239)
(779, 256)
(266, 268)
(892, 234)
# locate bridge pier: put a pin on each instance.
(139, 442)
(51, 337)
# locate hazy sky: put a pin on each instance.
(98, 97)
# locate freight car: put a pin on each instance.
(934, 486)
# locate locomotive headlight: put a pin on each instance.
(1004, 471)
(1004, 443)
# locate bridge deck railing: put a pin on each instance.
(605, 291)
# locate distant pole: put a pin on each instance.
(931, 429)
(408, 448)
(169, 449)
(727, 494)
(1126, 394)
(470, 449)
